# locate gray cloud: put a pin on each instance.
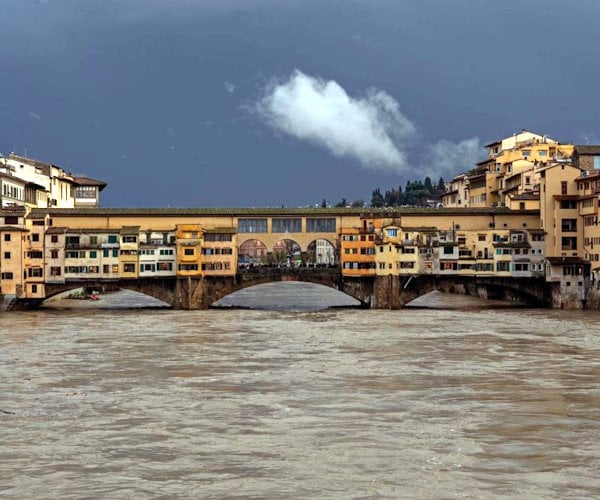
(370, 129)
(446, 159)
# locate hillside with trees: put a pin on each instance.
(415, 194)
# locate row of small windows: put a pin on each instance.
(289, 225)
(358, 237)
(11, 191)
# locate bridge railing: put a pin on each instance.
(284, 270)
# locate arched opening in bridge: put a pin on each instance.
(81, 298)
(252, 252)
(288, 296)
(321, 253)
(286, 252)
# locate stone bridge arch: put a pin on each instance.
(394, 292)
(217, 288)
(162, 289)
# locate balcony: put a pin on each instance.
(188, 242)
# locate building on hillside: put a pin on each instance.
(510, 171)
(38, 184)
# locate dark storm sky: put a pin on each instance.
(198, 103)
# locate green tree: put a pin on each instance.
(376, 198)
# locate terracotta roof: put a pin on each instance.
(246, 212)
(86, 181)
(12, 228)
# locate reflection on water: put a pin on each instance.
(349, 403)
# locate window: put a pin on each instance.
(7, 237)
(35, 272)
(105, 253)
(252, 225)
(188, 251)
(74, 254)
(93, 269)
(93, 254)
(11, 219)
(448, 250)
(112, 238)
(563, 187)
(392, 232)
(188, 267)
(542, 153)
(33, 288)
(526, 153)
(596, 162)
(93, 240)
(287, 225)
(7, 276)
(54, 254)
(217, 237)
(72, 240)
(166, 251)
(569, 225)
(568, 204)
(7, 255)
(165, 266)
(76, 269)
(35, 237)
(320, 225)
(35, 254)
(115, 253)
(105, 269)
(85, 192)
(129, 239)
(54, 238)
(38, 222)
(129, 267)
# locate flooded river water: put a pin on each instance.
(416, 403)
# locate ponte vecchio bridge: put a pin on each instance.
(190, 258)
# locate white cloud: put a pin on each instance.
(370, 129)
(34, 115)
(229, 87)
(446, 158)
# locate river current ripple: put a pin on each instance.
(413, 403)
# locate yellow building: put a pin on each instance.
(219, 252)
(129, 241)
(12, 244)
(188, 238)
(357, 252)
